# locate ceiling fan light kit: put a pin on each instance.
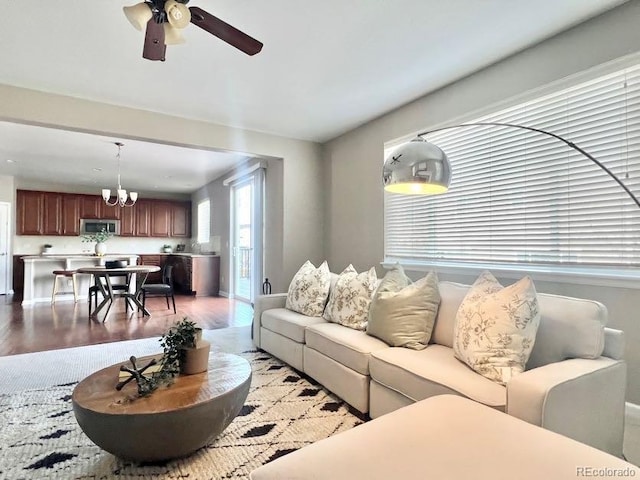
(164, 19)
(138, 15)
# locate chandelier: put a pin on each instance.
(121, 197)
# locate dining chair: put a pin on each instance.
(164, 289)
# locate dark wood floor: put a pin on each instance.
(47, 327)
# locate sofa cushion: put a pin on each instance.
(309, 289)
(419, 374)
(402, 314)
(288, 323)
(496, 327)
(451, 296)
(352, 348)
(350, 298)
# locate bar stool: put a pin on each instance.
(62, 274)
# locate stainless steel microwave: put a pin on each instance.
(91, 226)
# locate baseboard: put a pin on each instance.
(222, 293)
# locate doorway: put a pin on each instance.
(246, 235)
(4, 248)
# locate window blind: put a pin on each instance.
(204, 221)
(522, 197)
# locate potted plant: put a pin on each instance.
(184, 353)
(99, 238)
(167, 248)
(184, 350)
(46, 248)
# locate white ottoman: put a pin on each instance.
(446, 437)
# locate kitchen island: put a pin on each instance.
(38, 274)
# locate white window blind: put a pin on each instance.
(526, 198)
(204, 221)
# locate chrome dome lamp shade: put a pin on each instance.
(417, 168)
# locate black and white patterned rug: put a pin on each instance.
(284, 411)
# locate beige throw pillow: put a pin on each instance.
(350, 298)
(309, 289)
(496, 327)
(403, 314)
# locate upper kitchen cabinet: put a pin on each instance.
(70, 215)
(51, 213)
(29, 212)
(90, 206)
(160, 219)
(111, 213)
(181, 219)
(142, 218)
(128, 222)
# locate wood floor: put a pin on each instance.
(65, 324)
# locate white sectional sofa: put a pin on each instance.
(574, 383)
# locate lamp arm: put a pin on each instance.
(550, 134)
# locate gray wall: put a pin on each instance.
(299, 230)
(220, 198)
(354, 205)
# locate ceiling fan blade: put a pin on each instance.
(224, 31)
(154, 47)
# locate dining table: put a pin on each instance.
(134, 278)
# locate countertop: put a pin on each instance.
(78, 256)
(110, 256)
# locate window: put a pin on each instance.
(518, 197)
(204, 221)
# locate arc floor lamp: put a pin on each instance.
(422, 168)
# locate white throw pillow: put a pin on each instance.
(496, 327)
(350, 298)
(309, 289)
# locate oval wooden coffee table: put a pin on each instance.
(173, 421)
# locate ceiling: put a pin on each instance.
(326, 67)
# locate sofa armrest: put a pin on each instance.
(262, 303)
(580, 398)
(613, 343)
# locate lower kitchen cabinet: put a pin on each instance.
(196, 274)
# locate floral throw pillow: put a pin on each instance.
(496, 326)
(350, 298)
(309, 289)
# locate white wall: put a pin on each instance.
(301, 233)
(354, 207)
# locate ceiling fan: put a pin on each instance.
(165, 18)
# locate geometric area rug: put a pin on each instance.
(284, 411)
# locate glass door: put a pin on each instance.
(4, 248)
(247, 235)
(243, 245)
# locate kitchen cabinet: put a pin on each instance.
(29, 212)
(52, 213)
(128, 222)
(18, 274)
(70, 215)
(90, 206)
(181, 219)
(156, 260)
(142, 218)
(160, 219)
(111, 213)
(196, 274)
